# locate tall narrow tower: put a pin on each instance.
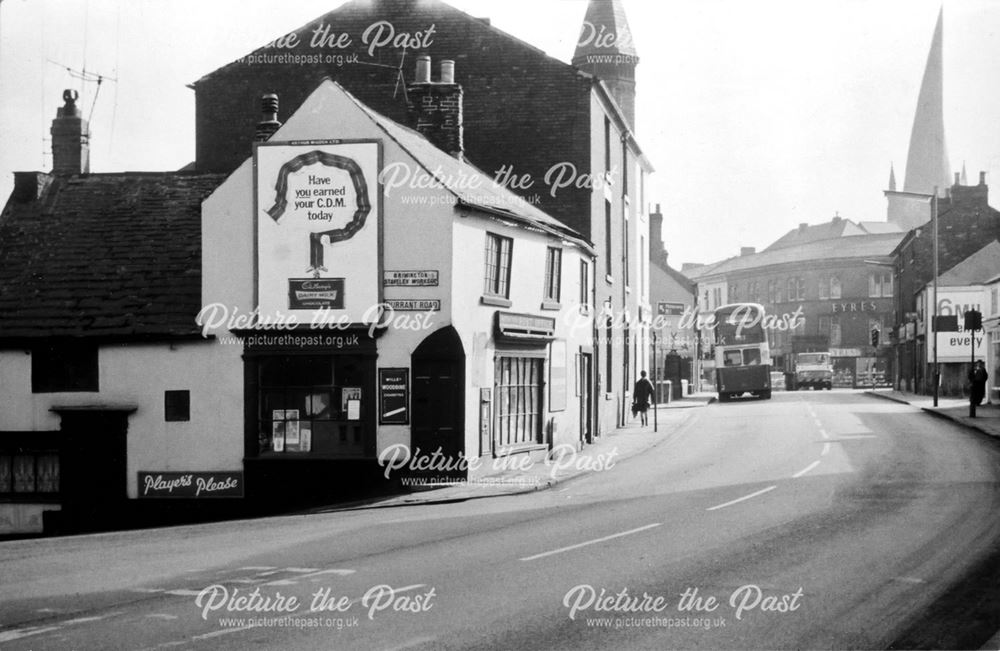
(606, 50)
(927, 162)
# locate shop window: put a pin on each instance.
(584, 283)
(312, 404)
(553, 274)
(29, 473)
(176, 406)
(498, 253)
(519, 401)
(64, 367)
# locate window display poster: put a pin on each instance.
(353, 410)
(317, 209)
(348, 394)
(292, 427)
(278, 430)
(305, 439)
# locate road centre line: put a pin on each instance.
(806, 469)
(591, 542)
(740, 499)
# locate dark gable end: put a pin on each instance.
(113, 256)
(524, 111)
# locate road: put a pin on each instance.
(814, 520)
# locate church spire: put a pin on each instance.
(927, 161)
(606, 50)
(892, 178)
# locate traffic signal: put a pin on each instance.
(874, 336)
(973, 320)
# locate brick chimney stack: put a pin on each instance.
(70, 138)
(435, 108)
(657, 251)
(269, 122)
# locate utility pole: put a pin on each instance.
(934, 220)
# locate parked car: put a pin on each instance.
(777, 381)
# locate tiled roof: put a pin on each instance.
(855, 246)
(977, 269)
(105, 255)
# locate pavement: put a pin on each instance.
(603, 453)
(987, 420)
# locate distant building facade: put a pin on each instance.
(825, 293)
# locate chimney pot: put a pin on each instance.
(70, 138)
(447, 71)
(747, 250)
(803, 226)
(269, 122)
(982, 178)
(423, 69)
(958, 176)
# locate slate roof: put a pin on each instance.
(102, 255)
(979, 268)
(855, 246)
(814, 232)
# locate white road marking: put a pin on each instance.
(184, 593)
(257, 567)
(281, 582)
(826, 449)
(806, 469)
(855, 437)
(268, 573)
(418, 641)
(302, 570)
(18, 633)
(741, 499)
(224, 631)
(161, 616)
(83, 620)
(147, 590)
(339, 572)
(909, 579)
(591, 542)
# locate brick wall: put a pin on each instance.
(521, 108)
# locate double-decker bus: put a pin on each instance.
(742, 356)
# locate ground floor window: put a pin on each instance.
(312, 405)
(29, 472)
(518, 401)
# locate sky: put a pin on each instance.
(757, 116)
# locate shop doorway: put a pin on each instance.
(439, 395)
(586, 398)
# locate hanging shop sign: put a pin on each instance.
(189, 485)
(426, 278)
(525, 326)
(394, 396)
(669, 309)
(318, 208)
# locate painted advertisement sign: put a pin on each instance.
(318, 208)
(958, 346)
(169, 484)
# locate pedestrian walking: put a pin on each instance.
(642, 396)
(977, 381)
